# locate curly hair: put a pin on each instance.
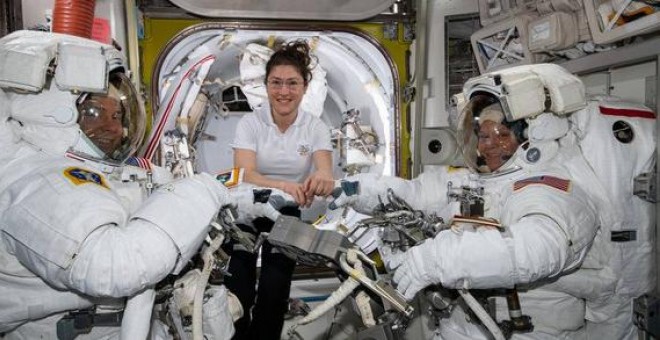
(296, 54)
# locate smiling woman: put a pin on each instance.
(497, 143)
(489, 140)
(282, 157)
(282, 146)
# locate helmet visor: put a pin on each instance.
(114, 122)
(487, 140)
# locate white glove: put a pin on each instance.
(345, 194)
(416, 272)
(248, 210)
(361, 192)
(392, 258)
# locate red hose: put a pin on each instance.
(74, 17)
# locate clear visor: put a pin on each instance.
(486, 139)
(114, 122)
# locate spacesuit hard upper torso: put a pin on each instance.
(545, 192)
(34, 180)
(77, 234)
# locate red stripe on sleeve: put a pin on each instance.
(609, 111)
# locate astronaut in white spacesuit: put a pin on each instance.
(77, 229)
(529, 172)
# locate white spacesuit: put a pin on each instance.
(77, 227)
(555, 199)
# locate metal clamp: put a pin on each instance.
(227, 221)
(379, 287)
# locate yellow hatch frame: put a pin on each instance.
(159, 31)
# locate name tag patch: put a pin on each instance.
(79, 176)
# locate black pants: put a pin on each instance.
(265, 320)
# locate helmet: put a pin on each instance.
(70, 94)
(495, 107)
(488, 141)
(112, 123)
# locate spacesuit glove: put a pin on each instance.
(417, 270)
(252, 202)
(361, 192)
(344, 194)
(392, 258)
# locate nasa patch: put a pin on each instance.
(79, 176)
(533, 155)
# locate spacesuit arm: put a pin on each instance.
(547, 233)
(81, 237)
(249, 207)
(427, 192)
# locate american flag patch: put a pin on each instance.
(139, 162)
(557, 183)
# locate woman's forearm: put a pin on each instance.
(254, 177)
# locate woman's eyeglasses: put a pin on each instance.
(278, 84)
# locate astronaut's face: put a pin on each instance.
(496, 145)
(285, 87)
(101, 120)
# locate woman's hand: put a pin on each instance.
(295, 190)
(318, 184)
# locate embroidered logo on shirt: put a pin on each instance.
(557, 183)
(80, 176)
(304, 149)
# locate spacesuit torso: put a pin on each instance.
(545, 188)
(60, 183)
